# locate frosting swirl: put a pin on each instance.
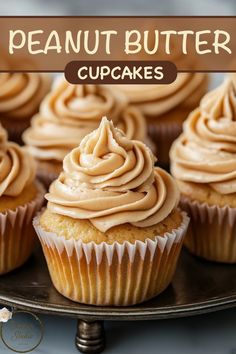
(74, 111)
(206, 151)
(133, 124)
(16, 165)
(81, 104)
(111, 180)
(154, 100)
(21, 93)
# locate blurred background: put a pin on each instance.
(121, 7)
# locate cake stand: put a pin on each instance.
(198, 287)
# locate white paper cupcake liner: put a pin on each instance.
(212, 231)
(17, 233)
(111, 274)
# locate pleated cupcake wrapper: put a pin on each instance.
(163, 135)
(116, 274)
(16, 233)
(212, 231)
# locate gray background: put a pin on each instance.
(118, 7)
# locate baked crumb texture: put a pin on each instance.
(205, 194)
(85, 231)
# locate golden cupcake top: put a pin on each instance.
(16, 165)
(154, 100)
(206, 151)
(111, 180)
(21, 93)
(70, 112)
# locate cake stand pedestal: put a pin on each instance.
(90, 337)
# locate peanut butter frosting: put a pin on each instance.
(70, 112)
(21, 94)
(16, 165)
(111, 180)
(155, 100)
(133, 124)
(206, 151)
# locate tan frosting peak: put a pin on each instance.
(21, 93)
(111, 180)
(206, 151)
(154, 100)
(74, 111)
(221, 102)
(16, 165)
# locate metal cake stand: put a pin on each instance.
(198, 287)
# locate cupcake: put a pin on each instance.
(20, 96)
(69, 113)
(20, 198)
(111, 232)
(203, 160)
(165, 107)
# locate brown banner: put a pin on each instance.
(120, 72)
(50, 43)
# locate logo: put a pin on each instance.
(21, 331)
